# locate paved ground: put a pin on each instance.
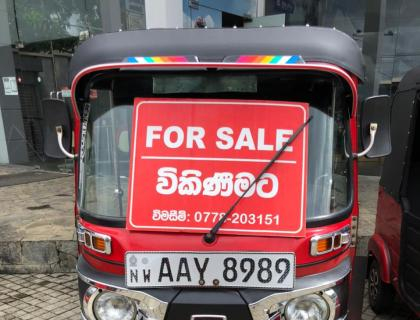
(398, 312)
(368, 198)
(37, 231)
(39, 296)
(42, 210)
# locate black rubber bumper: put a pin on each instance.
(223, 303)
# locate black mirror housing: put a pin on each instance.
(376, 109)
(56, 114)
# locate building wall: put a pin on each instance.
(164, 13)
(13, 147)
(4, 40)
(388, 33)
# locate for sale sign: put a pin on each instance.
(191, 160)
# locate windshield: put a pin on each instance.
(104, 160)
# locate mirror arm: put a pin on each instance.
(59, 131)
(373, 129)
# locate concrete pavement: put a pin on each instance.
(39, 296)
(37, 231)
(368, 198)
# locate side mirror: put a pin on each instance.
(376, 110)
(56, 121)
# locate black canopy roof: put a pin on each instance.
(312, 43)
(410, 80)
(404, 119)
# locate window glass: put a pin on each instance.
(106, 158)
(105, 165)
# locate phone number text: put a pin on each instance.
(267, 219)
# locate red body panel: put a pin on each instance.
(385, 243)
(124, 240)
(379, 249)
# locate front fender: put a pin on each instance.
(379, 250)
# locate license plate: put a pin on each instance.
(208, 269)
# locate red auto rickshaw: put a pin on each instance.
(216, 172)
(394, 249)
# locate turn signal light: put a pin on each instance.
(95, 241)
(98, 244)
(324, 245)
(330, 242)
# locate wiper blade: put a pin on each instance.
(211, 235)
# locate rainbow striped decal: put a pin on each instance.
(266, 59)
(162, 59)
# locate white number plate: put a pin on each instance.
(210, 269)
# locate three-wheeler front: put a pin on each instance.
(216, 172)
(394, 249)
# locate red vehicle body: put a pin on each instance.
(394, 248)
(325, 254)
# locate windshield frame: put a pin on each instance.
(339, 215)
(310, 222)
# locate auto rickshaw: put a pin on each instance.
(216, 172)
(395, 247)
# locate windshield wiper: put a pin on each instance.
(211, 235)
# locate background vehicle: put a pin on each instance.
(395, 247)
(113, 73)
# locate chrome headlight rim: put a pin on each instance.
(147, 304)
(329, 296)
(106, 296)
(318, 283)
(278, 306)
(88, 300)
(313, 300)
(93, 293)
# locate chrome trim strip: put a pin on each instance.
(343, 233)
(333, 303)
(88, 299)
(104, 237)
(83, 232)
(208, 316)
(330, 278)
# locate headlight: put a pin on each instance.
(310, 307)
(111, 306)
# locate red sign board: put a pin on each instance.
(191, 159)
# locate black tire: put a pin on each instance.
(381, 294)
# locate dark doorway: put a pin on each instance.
(231, 20)
(28, 81)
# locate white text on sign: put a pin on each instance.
(220, 184)
(175, 137)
